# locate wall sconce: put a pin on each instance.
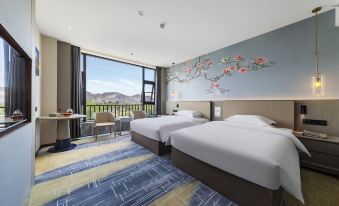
(303, 109)
(177, 106)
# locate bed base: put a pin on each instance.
(238, 190)
(154, 146)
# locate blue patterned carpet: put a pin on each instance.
(149, 181)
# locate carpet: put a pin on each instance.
(115, 172)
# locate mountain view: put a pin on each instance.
(112, 98)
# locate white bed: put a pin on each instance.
(159, 128)
(264, 155)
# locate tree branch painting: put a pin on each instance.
(237, 64)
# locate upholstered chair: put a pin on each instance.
(104, 119)
(139, 115)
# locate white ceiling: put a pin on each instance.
(193, 27)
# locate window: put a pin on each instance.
(149, 86)
(115, 86)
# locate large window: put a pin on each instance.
(115, 86)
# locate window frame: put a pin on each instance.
(153, 92)
(5, 35)
(143, 68)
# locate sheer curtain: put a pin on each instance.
(76, 85)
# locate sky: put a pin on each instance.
(110, 76)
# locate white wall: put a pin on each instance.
(16, 17)
(16, 166)
(17, 148)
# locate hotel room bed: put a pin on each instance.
(262, 155)
(249, 164)
(153, 133)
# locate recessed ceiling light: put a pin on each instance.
(132, 54)
(69, 28)
(162, 25)
(140, 12)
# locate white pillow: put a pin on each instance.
(250, 119)
(188, 113)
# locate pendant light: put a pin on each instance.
(318, 80)
(172, 90)
(337, 14)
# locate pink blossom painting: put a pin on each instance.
(202, 69)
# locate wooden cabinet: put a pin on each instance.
(324, 154)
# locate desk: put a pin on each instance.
(63, 140)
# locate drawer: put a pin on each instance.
(321, 146)
(321, 159)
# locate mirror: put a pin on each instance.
(14, 83)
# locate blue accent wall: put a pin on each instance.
(291, 47)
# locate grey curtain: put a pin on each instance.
(15, 71)
(158, 90)
(76, 87)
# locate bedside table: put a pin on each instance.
(324, 154)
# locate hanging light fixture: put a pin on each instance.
(337, 14)
(318, 81)
(172, 90)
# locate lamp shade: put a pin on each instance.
(303, 109)
(318, 84)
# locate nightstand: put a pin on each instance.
(324, 154)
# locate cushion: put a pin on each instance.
(250, 119)
(189, 113)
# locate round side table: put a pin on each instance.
(63, 140)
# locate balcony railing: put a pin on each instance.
(118, 110)
(2, 111)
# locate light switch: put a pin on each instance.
(217, 111)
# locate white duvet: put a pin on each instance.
(266, 156)
(159, 128)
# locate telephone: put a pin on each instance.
(314, 134)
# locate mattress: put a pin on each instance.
(159, 128)
(266, 156)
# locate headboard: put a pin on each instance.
(322, 109)
(204, 107)
(281, 111)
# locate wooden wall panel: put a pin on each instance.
(321, 110)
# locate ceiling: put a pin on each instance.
(193, 27)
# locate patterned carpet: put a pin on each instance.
(115, 172)
(119, 172)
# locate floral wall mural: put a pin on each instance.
(190, 71)
(275, 65)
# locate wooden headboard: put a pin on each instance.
(204, 107)
(281, 111)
